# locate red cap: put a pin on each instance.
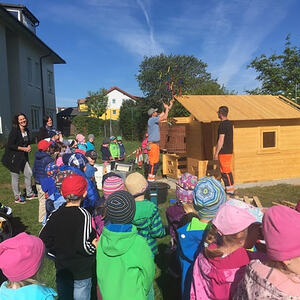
(43, 145)
(73, 186)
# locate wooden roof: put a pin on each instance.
(241, 107)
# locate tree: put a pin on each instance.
(161, 77)
(97, 102)
(278, 73)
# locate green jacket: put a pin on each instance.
(125, 266)
(114, 150)
(148, 222)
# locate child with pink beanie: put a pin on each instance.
(279, 277)
(20, 260)
(81, 145)
(219, 269)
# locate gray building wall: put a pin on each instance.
(5, 112)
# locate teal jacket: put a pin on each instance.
(125, 266)
(148, 222)
(114, 150)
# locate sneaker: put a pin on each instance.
(32, 196)
(5, 209)
(20, 200)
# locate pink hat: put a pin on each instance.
(80, 138)
(232, 219)
(112, 184)
(281, 227)
(21, 256)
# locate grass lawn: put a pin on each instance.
(25, 218)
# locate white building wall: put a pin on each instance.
(5, 112)
(118, 97)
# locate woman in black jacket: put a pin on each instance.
(46, 128)
(15, 157)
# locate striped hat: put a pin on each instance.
(112, 184)
(120, 207)
(209, 194)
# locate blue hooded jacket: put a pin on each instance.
(42, 159)
(92, 193)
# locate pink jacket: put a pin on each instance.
(144, 145)
(218, 278)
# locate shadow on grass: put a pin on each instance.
(168, 285)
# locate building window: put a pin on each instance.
(114, 112)
(35, 118)
(50, 81)
(37, 74)
(29, 70)
(269, 139)
(113, 101)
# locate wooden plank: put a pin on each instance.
(246, 199)
(257, 202)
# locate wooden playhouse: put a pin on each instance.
(266, 137)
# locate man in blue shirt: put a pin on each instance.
(154, 137)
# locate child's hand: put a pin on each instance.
(95, 242)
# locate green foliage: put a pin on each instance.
(97, 102)
(187, 74)
(127, 119)
(80, 123)
(278, 73)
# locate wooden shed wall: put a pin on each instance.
(253, 163)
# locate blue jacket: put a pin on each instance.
(42, 159)
(190, 243)
(122, 149)
(92, 192)
(89, 146)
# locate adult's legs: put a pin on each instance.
(225, 168)
(153, 161)
(82, 289)
(28, 175)
(15, 184)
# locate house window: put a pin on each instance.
(114, 112)
(50, 81)
(35, 118)
(37, 74)
(29, 70)
(113, 101)
(269, 139)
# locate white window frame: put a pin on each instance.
(114, 111)
(1, 131)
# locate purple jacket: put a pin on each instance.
(174, 214)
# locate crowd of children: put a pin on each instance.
(220, 248)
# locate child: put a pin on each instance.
(111, 185)
(122, 148)
(147, 218)
(106, 156)
(81, 145)
(114, 150)
(144, 147)
(62, 150)
(69, 236)
(20, 260)
(208, 196)
(90, 143)
(125, 266)
(91, 156)
(279, 277)
(42, 159)
(184, 195)
(54, 136)
(221, 266)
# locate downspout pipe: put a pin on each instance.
(42, 82)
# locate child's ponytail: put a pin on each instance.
(211, 238)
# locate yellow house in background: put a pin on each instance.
(116, 96)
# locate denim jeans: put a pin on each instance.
(82, 289)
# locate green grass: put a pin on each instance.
(26, 219)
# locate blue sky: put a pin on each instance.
(104, 41)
